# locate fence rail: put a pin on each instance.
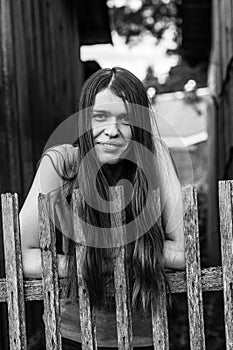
(15, 291)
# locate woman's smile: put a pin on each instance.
(112, 147)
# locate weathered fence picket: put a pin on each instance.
(194, 281)
(49, 274)
(193, 270)
(87, 312)
(160, 322)
(226, 222)
(14, 272)
(159, 308)
(123, 311)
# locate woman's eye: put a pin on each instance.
(100, 117)
(124, 119)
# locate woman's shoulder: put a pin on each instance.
(63, 158)
(62, 154)
(62, 149)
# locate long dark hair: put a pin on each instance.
(145, 254)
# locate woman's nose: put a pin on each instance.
(112, 128)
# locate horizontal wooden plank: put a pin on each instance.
(211, 281)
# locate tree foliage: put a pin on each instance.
(153, 16)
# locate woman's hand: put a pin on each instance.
(174, 256)
(32, 266)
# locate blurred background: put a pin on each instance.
(182, 52)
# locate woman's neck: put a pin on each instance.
(115, 172)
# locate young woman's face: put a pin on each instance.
(110, 127)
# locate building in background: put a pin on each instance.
(183, 127)
(41, 75)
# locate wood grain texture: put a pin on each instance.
(221, 84)
(160, 322)
(87, 312)
(9, 137)
(159, 307)
(225, 211)
(193, 270)
(23, 113)
(121, 283)
(47, 237)
(14, 272)
(211, 279)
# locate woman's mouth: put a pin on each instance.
(110, 146)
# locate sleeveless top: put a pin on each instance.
(106, 328)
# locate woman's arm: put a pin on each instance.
(172, 210)
(47, 179)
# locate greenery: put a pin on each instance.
(180, 74)
(151, 16)
(135, 18)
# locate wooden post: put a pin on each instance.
(193, 270)
(87, 312)
(122, 296)
(49, 274)
(160, 322)
(159, 311)
(14, 272)
(226, 231)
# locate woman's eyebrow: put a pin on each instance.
(109, 113)
(100, 111)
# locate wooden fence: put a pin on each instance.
(15, 291)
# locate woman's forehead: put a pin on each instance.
(107, 100)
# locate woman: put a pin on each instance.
(117, 145)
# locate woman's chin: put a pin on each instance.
(112, 157)
(108, 160)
